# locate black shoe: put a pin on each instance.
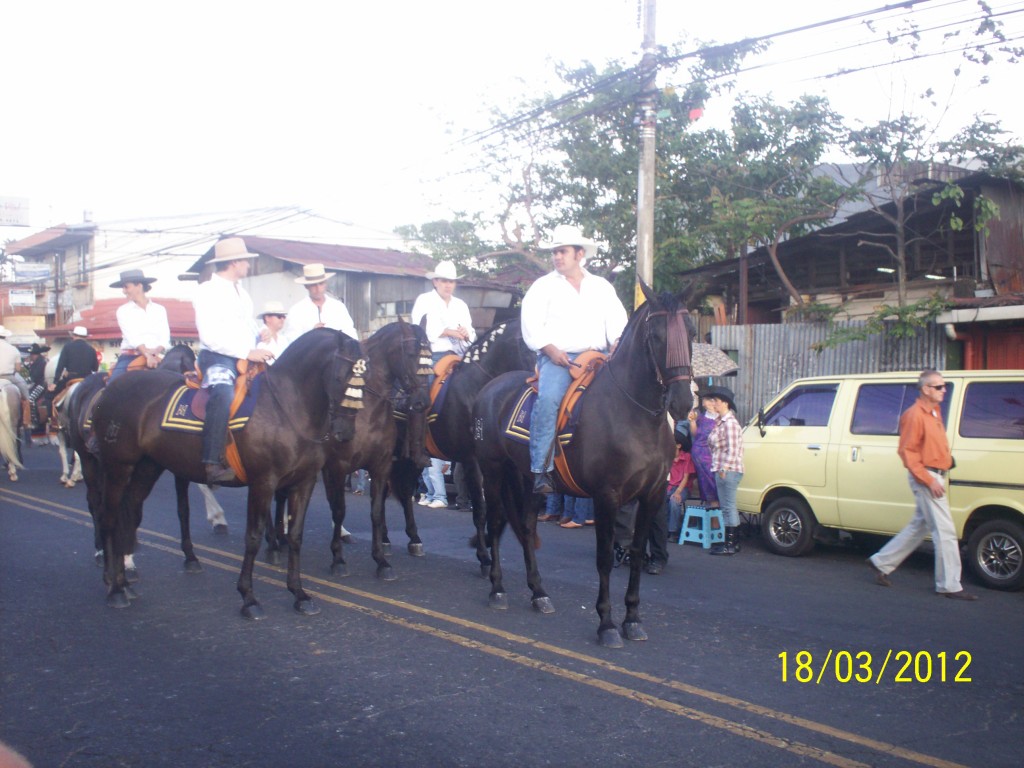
(621, 556)
(655, 568)
(218, 474)
(542, 483)
(961, 595)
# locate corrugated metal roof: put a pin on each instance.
(101, 320)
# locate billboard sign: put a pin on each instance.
(14, 212)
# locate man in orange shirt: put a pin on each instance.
(925, 453)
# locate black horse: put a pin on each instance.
(499, 350)
(81, 403)
(298, 411)
(398, 364)
(621, 450)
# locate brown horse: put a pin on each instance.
(621, 450)
(298, 412)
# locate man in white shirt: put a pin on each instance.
(144, 328)
(272, 334)
(564, 313)
(449, 329)
(10, 369)
(318, 309)
(227, 334)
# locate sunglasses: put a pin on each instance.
(936, 386)
(281, 317)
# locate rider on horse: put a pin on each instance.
(564, 313)
(272, 336)
(77, 360)
(10, 369)
(318, 309)
(145, 331)
(227, 334)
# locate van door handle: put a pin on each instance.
(854, 453)
(813, 447)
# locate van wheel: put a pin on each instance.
(788, 527)
(996, 551)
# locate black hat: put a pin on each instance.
(722, 393)
(35, 349)
(133, 276)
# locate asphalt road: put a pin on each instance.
(752, 660)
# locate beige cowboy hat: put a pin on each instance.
(230, 249)
(133, 276)
(566, 234)
(5, 331)
(313, 274)
(272, 308)
(79, 330)
(445, 270)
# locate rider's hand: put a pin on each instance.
(259, 355)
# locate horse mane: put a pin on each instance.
(483, 342)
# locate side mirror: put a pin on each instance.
(760, 421)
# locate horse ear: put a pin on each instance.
(646, 290)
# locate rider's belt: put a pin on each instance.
(942, 472)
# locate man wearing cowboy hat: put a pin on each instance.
(145, 331)
(77, 360)
(272, 336)
(566, 312)
(37, 381)
(449, 328)
(10, 369)
(318, 309)
(227, 334)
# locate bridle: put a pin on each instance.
(405, 384)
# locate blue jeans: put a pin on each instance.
(675, 511)
(580, 510)
(433, 478)
(216, 367)
(553, 382)
(123, 361)
(555, 504)
(727, 496)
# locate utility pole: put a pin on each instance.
(646, 179)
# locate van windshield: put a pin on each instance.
(808, 406)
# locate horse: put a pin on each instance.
(10, 424)
(79, 406)
(621, 450)
(497, 351)
(303, 402)
(398, 366)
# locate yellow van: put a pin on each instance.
(821, 458)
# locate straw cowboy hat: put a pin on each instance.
(445, 270)
(566, 234)
(230, 249)
(133, 276)
(272, 308)
(313, 274)
(79, 330)
(5, 331)
(721, 393)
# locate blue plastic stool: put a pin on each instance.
(702, 525)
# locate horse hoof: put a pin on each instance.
(543, 605)
(131, 575)
(193, 566)
(307, 607)
(220, 529)
(339, 569)
(633, 631)
(416, 550)
(609, 638)
(118, 600)
(498, 601)
(253, 612)
(386, 573)
(98, 558)
(385, 548)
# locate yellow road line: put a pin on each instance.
(693, 714)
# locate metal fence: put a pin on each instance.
(771, 356)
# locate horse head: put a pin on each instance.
(180, 358)
(669, 330)
(403, 353)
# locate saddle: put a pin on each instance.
(443, 370)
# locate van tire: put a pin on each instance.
(788, 527)
(996, 554)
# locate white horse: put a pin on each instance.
(10, 424)
(70, 463)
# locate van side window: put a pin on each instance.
(808, 406)
(879, 407)
(994, 409)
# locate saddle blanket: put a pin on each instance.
(518, 427)
(179, 416)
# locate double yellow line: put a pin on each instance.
(273, 575)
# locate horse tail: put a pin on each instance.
(8, 437)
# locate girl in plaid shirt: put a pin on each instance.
(726, 443)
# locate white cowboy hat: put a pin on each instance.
(133, 276)
(5, 331)
(565, 234)
(230, 249)
(313, 274)
(79, 330)
(444, 270)
(272, 308)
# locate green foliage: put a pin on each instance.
(815, 312)
(900, 322)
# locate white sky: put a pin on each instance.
(137, 109)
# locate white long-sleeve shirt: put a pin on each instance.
(441, 316)
(224, 318)
(143, 326)
(554, 312)
(304, 315)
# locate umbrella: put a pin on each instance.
(709, 360)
